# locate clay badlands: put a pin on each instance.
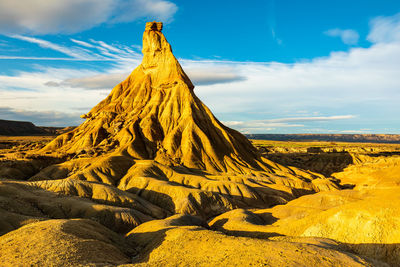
(152, 178)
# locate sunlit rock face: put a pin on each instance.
(154, 114)
(152, 136)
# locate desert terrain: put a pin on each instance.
(153, 178)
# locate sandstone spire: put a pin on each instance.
(154, 114)
(153, 137)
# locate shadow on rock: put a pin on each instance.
(325, 163)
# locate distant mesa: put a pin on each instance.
(24, 128)
(8, 127)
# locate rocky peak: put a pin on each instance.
(154, 26)
(154, 114)
(158, 59)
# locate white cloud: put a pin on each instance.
(202, 75)
(100, 81)
(354, 132)
(41, 118)
(157, 9)
(385, 29)
(199, 75)
(109, 80)
(52, 84)
(272, 124)
(348, 36)
(28, 91)
(352, 79)
(321, 118)
(259, 124)
(60, 16)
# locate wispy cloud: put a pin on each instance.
(347, 36)
(99, 50)
(72, 52)
(60, 16)
(385, 29)
(271, 20)
(82, 43)
(39, 58)
(115, 52)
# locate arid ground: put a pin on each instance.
(70, 223)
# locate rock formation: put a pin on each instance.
(365, 218)
(152, 136)
(76, 242)
(181, 240)
(154, 114)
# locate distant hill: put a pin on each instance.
(360, 138)
(20, 128)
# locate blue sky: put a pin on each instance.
(283, 66)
